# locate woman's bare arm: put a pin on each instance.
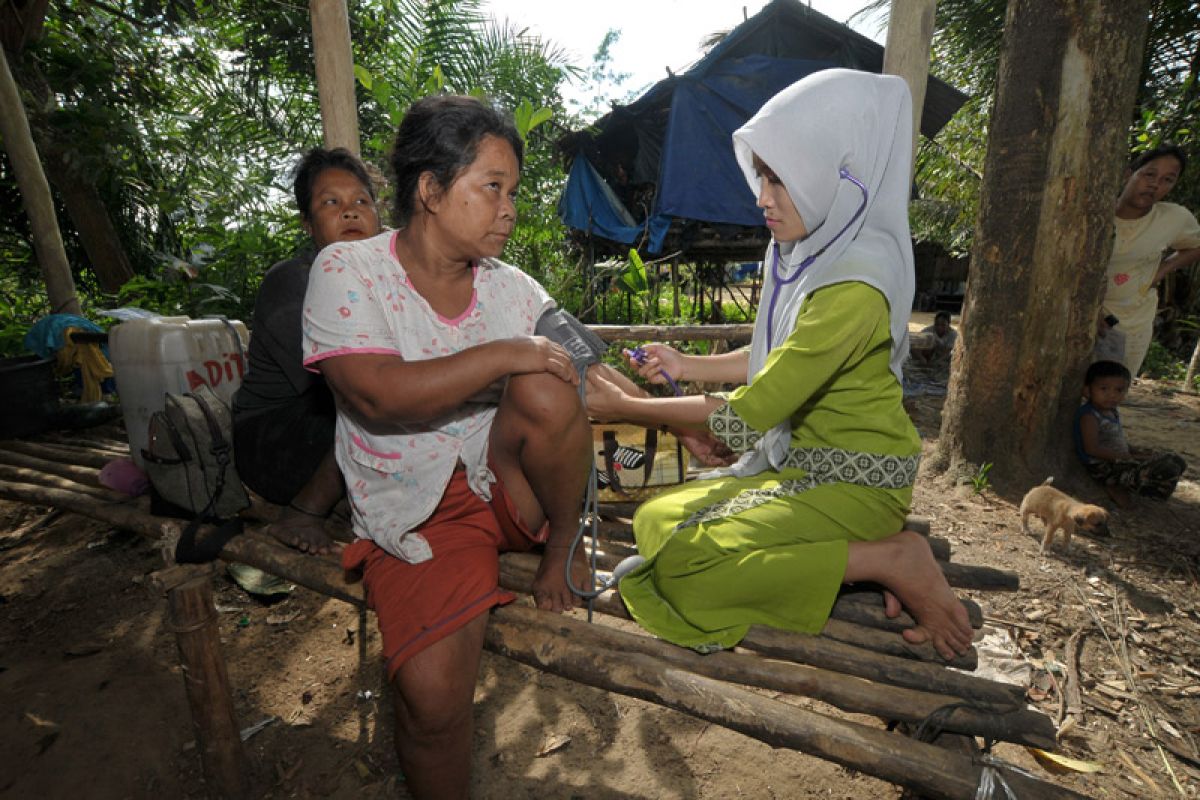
(386, 388)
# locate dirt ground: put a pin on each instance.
(92, 702)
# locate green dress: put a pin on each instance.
(727, 553)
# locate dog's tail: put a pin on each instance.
(1048, 481)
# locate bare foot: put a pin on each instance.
(305, 532)
(550, 590)
(904, 564)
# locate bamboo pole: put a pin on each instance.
(673, 333)
(193, 619)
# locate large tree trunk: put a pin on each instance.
(88, 212)
(35, 196)
(1068, 74)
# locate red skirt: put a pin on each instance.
(419, 604)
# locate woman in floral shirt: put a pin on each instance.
(460, 433)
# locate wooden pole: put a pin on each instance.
(906, 54)
(335, 73)
(193, 618)
(35, 196)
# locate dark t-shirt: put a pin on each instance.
(276, 375)
(283, 415)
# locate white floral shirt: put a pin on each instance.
(360, 300)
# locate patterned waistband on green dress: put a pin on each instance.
(823, 465)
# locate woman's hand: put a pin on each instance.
(659, 358)
(603, 397)
(539, 354)
(705, 448)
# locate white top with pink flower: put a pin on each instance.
(360, 300)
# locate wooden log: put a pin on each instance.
(88, 440)
(865, 607)
(614, 526)
(517, 570)
(193, 618)
(575, 653)
(851, 660)
(325, 576)
(59, 452)
(33, 476)
(1002, 712)
(891, 643)
(673, 333)
(87, 476)
(1009, 721)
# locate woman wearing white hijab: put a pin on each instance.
(827, 454)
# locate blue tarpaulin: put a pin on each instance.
(700, 178)
(669, 154)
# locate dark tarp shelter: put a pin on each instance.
(660, 171)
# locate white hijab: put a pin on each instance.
(835, 119)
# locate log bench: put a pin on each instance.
(859, 663)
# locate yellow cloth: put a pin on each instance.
(1138, 247)
(781, 563)
(89, 359)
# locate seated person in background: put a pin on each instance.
(283, 415)
(411, 329)
(1101, 446)
(942, 338)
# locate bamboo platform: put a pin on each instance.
(859, 663)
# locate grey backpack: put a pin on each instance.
(189, 458)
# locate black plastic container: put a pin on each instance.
(28, 396)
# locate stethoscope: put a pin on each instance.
(780, 280)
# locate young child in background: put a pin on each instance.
(1101, 446)
(944, 337)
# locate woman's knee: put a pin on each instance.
(543, 400)
(432, 715)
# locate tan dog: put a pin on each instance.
(1061, 512)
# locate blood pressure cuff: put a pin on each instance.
(584, 347)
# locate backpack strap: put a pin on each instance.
(220, 450)
(651, 451)
(188, 551)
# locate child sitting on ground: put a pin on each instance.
(1101, 446)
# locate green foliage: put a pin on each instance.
(980, 482)
(187, 117)
(1161, 364)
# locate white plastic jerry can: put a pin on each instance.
(151, 357)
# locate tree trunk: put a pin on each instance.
(1068, 74)
(335, 73)
(35, 196)
(109, 261)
